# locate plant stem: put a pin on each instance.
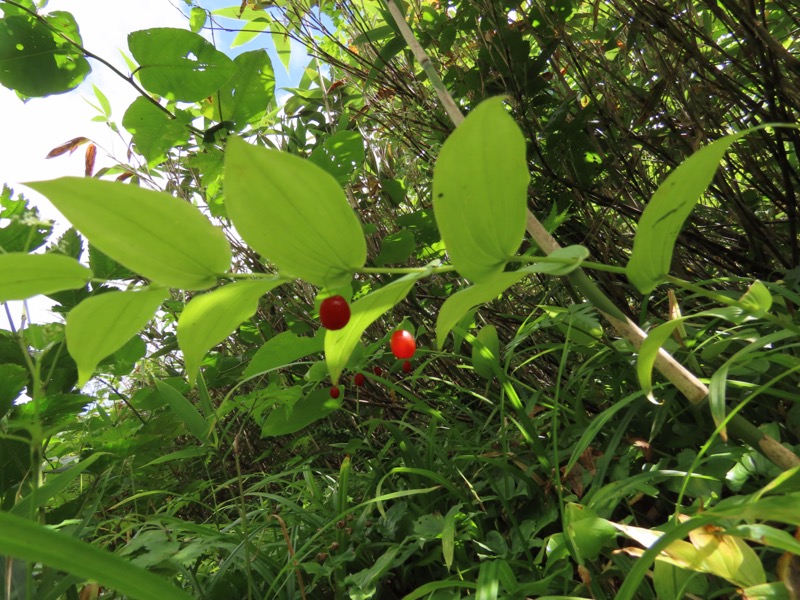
(688, 384)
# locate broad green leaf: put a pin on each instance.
(244, 99)
(340, 155)
(311, 407)
(210, 318)
(255, 27)
(35, 61)
(457, 305)
(673, 583)
(486, 352)
(178, 64)
(293, 213)
(102, 324)
(197, 19)
(757, 300)
(480, 190)
(488, 580)
(283, 46)
(449, 535)
(769, 536)
(154, 133)
(728, 557)
(283, 349)
(191, 417)
(26, 275)
(586, 532)
(158, 236)
(340, 344)
(54, 485)
(396, 248)
(29, 541)
(670, 206)
(767, 591)
(460, 303)
(13, 379)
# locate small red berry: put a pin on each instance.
(378, 371)
(358, 379)
(334, 312)
(335, 392)
(407, 366)
(403, 344)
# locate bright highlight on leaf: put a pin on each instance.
(293, 213)
(480, 187)
(154, 234)
(210, 318)
(23, 275)
(101, 325)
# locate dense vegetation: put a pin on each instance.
(193, 431)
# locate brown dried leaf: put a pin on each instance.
(69, 146)
(91, 154)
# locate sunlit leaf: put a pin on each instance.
(178, 64)
(158, 236)
(26, 275)
(246, 96)
(102, 324)
(340, 344)
(210, 318)
(293, 213)
(486, 352)
(480, 190)
(154, 132)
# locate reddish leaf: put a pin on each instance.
(91, 153)
(69, 146)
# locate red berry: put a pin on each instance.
(403, 344)
(378, 371)
(407, 366)
(358, 379)
(334, 312)
(334, 392)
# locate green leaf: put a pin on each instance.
(26, 275)
(178, 64)
(586, 532)
(245, 98)
(102, 324)
(486, 353)
(154, 234)
(480, 188)
(396, 248)
(154, 133)
(782, 508)
(13, 379)
(283, 46)
(340, 155)
(460, 303)
(449, 535)
(53, 486)
(339, 345)
(311, 407)
(197, 19)
(25, 540)
(210, 318)
(664, 215)
(757, 300)
(293, 213)
(35, 61)
(191, 417)
(282, 350)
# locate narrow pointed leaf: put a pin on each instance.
(670, 206)
(480, 187)
(293, 213)
(153, 234)
(210, 318)
(486, 353)
(283, 349)
(102, 324)
(191, 417)
(311, 407)
(25, 540)
(339, 345)
(26, 275)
